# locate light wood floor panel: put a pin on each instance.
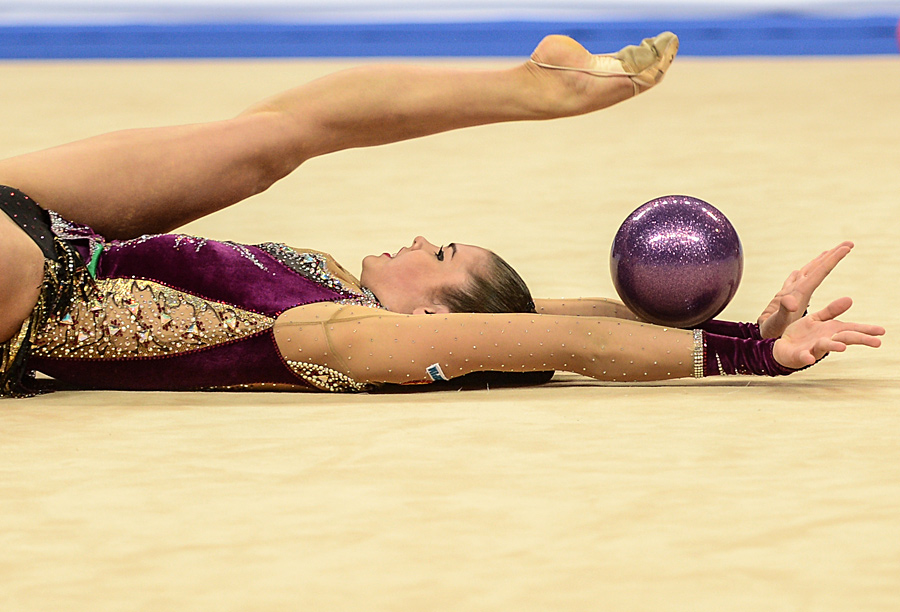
(726, 494)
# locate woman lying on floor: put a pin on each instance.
(95, 293)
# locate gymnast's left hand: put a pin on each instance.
(807, 340)
(791, 302)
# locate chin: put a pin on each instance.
(367, 261)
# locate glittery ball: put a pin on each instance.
(676, 261)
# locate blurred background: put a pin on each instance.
(53, 29)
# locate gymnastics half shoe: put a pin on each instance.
(644, 64)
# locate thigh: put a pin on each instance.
(154, 180)
(21, 275)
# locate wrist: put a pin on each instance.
(716, 355)
(732, 329)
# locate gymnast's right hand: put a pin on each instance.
(812, 337)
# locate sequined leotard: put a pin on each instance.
(179, 312)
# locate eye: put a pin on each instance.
(440, 254)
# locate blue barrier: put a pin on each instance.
(774, 35)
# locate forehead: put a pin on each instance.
(469, 255)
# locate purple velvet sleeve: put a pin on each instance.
(724, 355)
(749, 331)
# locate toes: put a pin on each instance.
(651, 59)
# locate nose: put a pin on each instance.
(419, 242)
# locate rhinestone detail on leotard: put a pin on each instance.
(127, 318)
(314, 266)
(324, 378)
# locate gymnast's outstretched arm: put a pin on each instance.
(789, 304)
(153, 180)
(585, 307)
(381, 347)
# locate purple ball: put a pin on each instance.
(676, 261)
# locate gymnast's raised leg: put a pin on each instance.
(128, 183)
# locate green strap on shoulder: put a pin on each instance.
(95, 260)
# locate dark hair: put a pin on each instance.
(496, 288)
(493, 288)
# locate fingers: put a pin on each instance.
(805, 269)
(808, 358)
(843, 247)
(834, 309)
(790, 281)
(789, 303)
(800, 285)
(834, 256)
(815, 271)
(849, 333)
(816, 261)
(823, 346)
(857, 338)
(865, 328)
(839, 342)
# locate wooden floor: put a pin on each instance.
(734, 494)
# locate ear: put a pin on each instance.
(431, 309)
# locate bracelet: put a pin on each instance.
(699, 354)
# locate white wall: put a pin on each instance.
(346, 11)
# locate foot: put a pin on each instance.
(640, 66)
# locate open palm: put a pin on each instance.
(810, 338)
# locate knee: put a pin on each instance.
(274, 149)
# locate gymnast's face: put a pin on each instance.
(407, 281)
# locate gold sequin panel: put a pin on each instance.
(325, 379)
(126, 318)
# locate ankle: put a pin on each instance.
(563, 66)
(538, 97)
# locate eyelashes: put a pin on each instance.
(440, 254)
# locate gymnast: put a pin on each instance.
(95, 292)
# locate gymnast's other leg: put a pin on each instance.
(154, 180)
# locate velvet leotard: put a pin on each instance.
(179, 312)
(176, 312)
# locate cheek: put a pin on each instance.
(403, 275)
